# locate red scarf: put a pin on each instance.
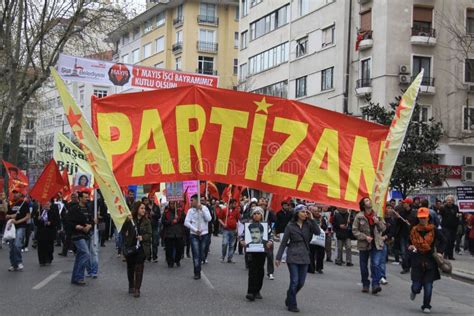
(370, 217)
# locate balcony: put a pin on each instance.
(364, 1)
(427, 85)
(177, 47)
(208, 19)
(207, 72)
(178, 21)
(363, 87)
(365, 40)
(207, 47)
(425, 36)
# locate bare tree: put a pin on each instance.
(32, 35)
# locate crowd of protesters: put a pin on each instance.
(410, 232)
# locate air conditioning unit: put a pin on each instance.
(470, 88)
(404, 69)
(404, 79)
(468, 161)
(468, 176)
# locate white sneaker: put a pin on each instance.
(426, 311)
(396, 263)
(25, 250)
(271, 277)
(11, 269)
(20, 267)
(383, 281)
(22, 250)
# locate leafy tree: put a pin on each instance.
(418, 148)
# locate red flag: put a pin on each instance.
(237, 192)
(17, 180)
(212, 190)
(277, 199)
(154, 188)
(187, 203)
(48, 184)
(227, 193)
(66, 190)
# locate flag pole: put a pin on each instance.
(96, 237)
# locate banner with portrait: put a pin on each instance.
(256, 236)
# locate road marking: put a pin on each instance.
(46, 281)
(206, 280)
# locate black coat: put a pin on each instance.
(424, 268)
(341, 219)
(46, 232)
(282, 219)
(173, 230)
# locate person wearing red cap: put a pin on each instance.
(424, 269)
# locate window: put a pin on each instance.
(419, 63)
(279, 89)
(366, 21)
(236, 16)
(469, 70)
(468, 119)
(302, 46)
(136, 32)
(100, 92)
(207, 36)
(81, 97)
(207, 9)
(58, 102)
(243, 72)
(147, 50)
(245, 7)
(179, 37)
(236, 66)
(160, 44)
(136, 56)
(365, 69)
(30, 124)
(148, 26)
(243, 40)
(254, 2)
(327, 79)
(160, 19)
(125, 38)
(268, 59)
(269, 22)
(304, 7)
(125, 59)
(421, 117)
(236, 39)
(179, 12)
(160, 65)
(178, 63)
(58, 120)
(206, 65)
(300, 87)
(422, 18)
(328, 36)
(470, 21)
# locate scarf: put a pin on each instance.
(370, 218)
(423, 243)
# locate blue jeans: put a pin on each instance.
(198, 247)
(375, 266)
(228, 240)
(15, 247)
(93, 266)
(81, 261)
(404, 253)
(297, 278)
(155, 239)
(427, 292)
(383, 262)
(118, 242)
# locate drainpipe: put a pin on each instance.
(348, 61)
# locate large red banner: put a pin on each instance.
(273, 144)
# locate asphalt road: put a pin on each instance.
(47, 290)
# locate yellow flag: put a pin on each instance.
(393, 144)
(101, 170)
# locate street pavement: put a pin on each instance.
(221, 291)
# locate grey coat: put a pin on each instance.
(297, 240)
(361, 229)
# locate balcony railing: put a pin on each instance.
(178, 21)
(207, 72)
(364, 83)
(177, 47)
(423, 31)
(426, 81)
(207, 47)
(365, 35)
(208, 19)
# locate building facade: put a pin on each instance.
(191, 36)
(335, 54)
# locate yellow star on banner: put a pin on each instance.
(262, 105)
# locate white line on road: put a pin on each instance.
(46, 281)
(208, 283)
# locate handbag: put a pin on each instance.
(443, 264)
(132, 250)
(10, 231)
(319, 240)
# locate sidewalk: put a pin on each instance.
(463, 266)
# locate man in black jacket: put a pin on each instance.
(283, 218)
(404, 222)
(341, 228)
(450, 220)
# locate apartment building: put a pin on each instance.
(192, 36)
(335, 54)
